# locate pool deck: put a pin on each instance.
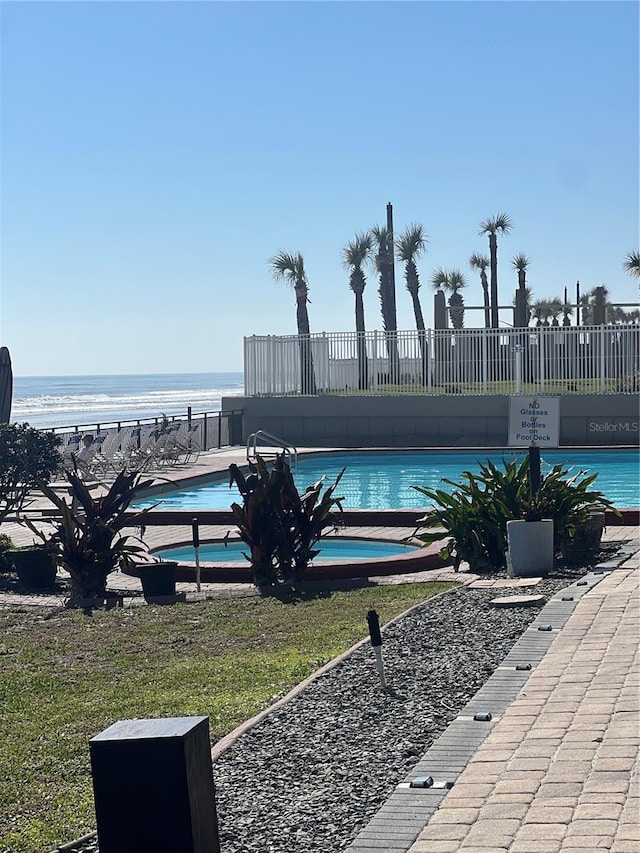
(555, 769)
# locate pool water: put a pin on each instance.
(340, 548)
(383, 479)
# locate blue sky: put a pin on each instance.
(154, 156)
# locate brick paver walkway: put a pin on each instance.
(559, 771)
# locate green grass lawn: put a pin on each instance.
(65, 676)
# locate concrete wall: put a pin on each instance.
(415, 421)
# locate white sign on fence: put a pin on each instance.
(534, 420)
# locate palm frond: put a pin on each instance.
(632, 263)
(498, 224)
(440, 279)
(381, 237)
(456, 280)
(520, 262)
(288, 267)
(411, 243)
(356, 252)
(478, 261)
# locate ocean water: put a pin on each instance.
(55, 401)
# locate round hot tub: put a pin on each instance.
(339, 557)
(336, 549)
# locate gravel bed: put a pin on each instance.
(315, 771)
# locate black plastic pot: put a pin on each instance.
(35, 567)
(158, 579)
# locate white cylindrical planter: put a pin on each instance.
(530, 546)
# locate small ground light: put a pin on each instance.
(422, 782)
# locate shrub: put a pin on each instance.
(473, 517)
(280, 525)
(6, 543)
(28, 457)
(89, 542)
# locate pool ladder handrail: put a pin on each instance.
(279, 444)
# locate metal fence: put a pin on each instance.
(567, 360)
(214, 429)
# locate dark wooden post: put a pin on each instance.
(158, 774)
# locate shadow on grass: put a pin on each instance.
(314, 590)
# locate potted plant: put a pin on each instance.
(89, 543)
(530, 538)
(280, 525)
(158, 579)
(586, 538)
(530, 541)
(473, 517)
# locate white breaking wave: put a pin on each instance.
(61, 401)
(155, 400)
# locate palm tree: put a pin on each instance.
(354, 255)
(600, 303)
(555, 310)
(528, 294)
(541, 310)
(632, 263)
(409, 246)
(520, 263)
(290, 268)
(456, 282)
(498, 224)
(452, 282)
(383, 262)
(586, 308)
(481, 262)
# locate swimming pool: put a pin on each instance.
(335, 549)
(383, 479)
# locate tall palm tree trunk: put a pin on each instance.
(363, 368)
(493, 255)
(487, 303)
(307, 376)
(422, 337)
(384, 265)
(389, 318)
